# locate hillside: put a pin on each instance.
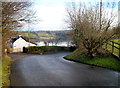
(45, 35)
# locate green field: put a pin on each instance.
(116, 40)
(42, 35)
(109, 47)
(29, 34)
(44, 38)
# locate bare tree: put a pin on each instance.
(51, 39)
(90, 27)
(118, 31)
(57, 40)
(14, 15)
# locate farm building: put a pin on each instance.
(17, 43)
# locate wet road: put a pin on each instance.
(53, 70)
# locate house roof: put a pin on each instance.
(20, 36)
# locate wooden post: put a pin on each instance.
(5, 52)
(119, 51)
(112, 46)
(106, 45)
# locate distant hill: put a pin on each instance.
(45, 35)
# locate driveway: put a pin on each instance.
(53, 70)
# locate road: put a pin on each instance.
(53, 70)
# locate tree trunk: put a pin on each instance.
(90, 54)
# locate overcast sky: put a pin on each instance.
(52, 13)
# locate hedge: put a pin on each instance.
(46, 49)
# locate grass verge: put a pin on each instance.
(5, 71)
(101, 60)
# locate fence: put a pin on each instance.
(113, 47)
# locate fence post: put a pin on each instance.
(106, 45)
(119, 51)
(112, 46)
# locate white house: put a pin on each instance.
(17, 44)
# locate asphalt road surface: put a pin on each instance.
(53, 70)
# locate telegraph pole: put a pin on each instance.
(28, 34)
(100, 13)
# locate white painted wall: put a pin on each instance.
(20, 43)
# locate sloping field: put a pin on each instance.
(109, 47)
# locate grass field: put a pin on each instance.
(116, 40)
(42, 35)
(101, 61)
(44, 38)
(5, 71)
(29, 34)
(109, 47)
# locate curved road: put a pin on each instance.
(53, 70)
